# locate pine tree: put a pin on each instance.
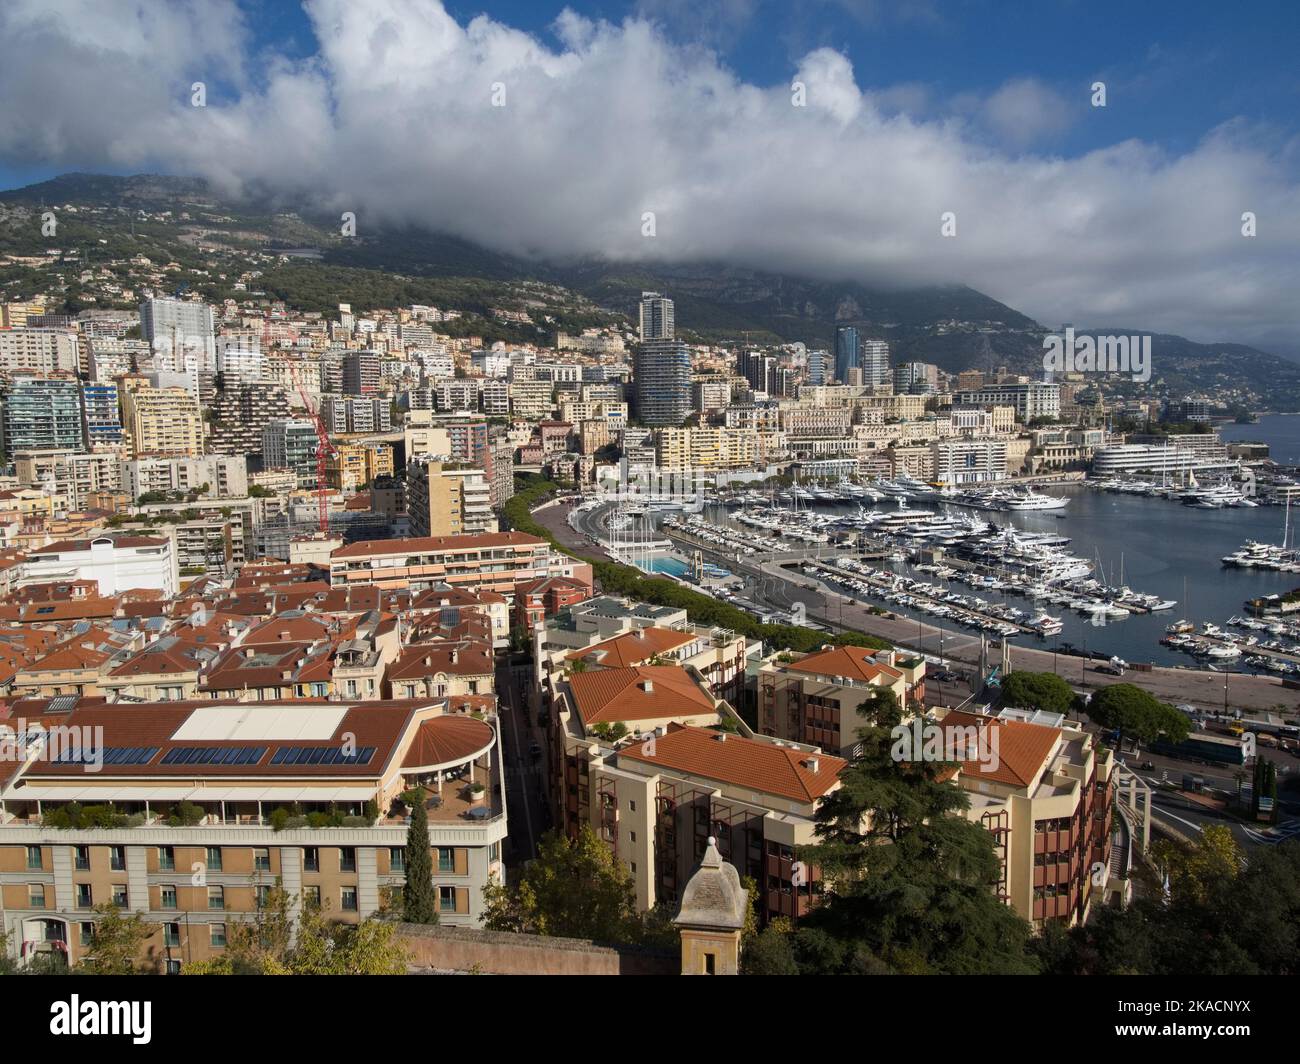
(909, 879)
(420, 905)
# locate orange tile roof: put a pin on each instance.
(1022, 748)
(447, 739)
(610, 695)
(749, 763)
(853, 663)
(632, 648)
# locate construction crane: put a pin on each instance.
(323, 451)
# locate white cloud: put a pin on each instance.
(394, 120)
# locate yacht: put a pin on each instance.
(1030, 500)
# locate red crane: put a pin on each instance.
(323, 450)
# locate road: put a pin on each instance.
(524, 781)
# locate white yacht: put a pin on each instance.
(1030, 500)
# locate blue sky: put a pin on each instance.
(1131, 215)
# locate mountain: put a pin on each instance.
(184, 220)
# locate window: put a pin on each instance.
(166, 859)
(310, 859)
(311, 895)
(86, 933)
(214, 858)
(348, 899)
(262, 893)
(81, 858)
(85, 898)
(34, 858)
(216, 897)
(171, 934)
(119, 895)
(447, 899)
(217, 935)
(446, 859)
(631, 806)
(36, 896)
(710, 964)
(173, 967)
(347, 859)
(117, 858)
(167, 897)
(261, 859)
(396, 859)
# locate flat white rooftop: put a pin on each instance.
(258, 721)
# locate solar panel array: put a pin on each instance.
(321, 755)
(112, 755)
(213, 755)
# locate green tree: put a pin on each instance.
(770, 951)
(419, 902)
(909, 879)
(1137, 714)
(575, 888)
(117, 942)
(1038, 690)
(270, 944)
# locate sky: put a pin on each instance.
(903, 142)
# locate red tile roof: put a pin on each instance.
(646, 692)
(749, 763)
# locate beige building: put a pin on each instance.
(211, 807)
(162, 422)
(814, 698)
(1045, 789)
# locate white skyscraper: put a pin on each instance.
(656, 317)
(875, 362)
(179, 331)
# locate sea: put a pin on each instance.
(1280, 431)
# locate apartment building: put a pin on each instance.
(240, 413)
(448, 500)
(970, 460)
(45, 351)
(73, 475)
(41, 413)
(706, 448)
(211, 805)
(656, 794)
(1048, 798)
(1032, 400)
(225, 476)
(291, 443)
(814, 698)
(163, 422)
(495, 561)
(116, 563)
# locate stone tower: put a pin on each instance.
(712, 916)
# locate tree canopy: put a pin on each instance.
(1137, 714)
(1038, 690)
(910, 881)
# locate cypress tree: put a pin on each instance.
(420, 905)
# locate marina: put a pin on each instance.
(1103, 574)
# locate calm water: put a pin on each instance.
(1164, 548)
(1280, 431)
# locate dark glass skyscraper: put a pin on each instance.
(847, 352)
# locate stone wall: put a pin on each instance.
(464, 949)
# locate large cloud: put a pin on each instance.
(394, 119)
